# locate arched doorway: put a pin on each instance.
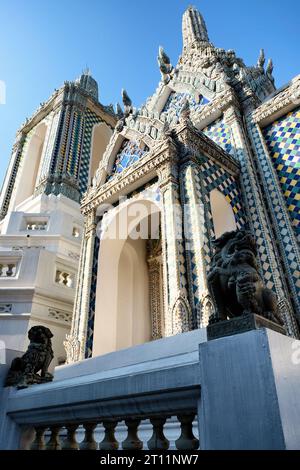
(31, 163)
(100, 137)
(222, 213)
(124, 312)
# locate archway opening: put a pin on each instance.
(125, 311)
(222, 213)
(32, 161)
(100, 137)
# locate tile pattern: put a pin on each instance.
(281, 219)
(271, 266)
(90, 120)
(91, 317)
(202, 183)
(75, 145)
(256, 214)
(283, 141)
(175, 102)
(129, 153)
(220, 133)
(174, 238)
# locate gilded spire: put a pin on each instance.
(193, 27)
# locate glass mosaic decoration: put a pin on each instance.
(219, 132)
(283, 141)
(129, 153)
(176, 100)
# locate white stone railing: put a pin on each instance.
(64, 278)
(8, 269)
(92, 435)
(36, 225)
(5, 308)
(144, 397)
(125, 399)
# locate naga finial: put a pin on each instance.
(261, 59)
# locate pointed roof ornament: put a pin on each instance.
(88, 83)
(261, 59)
(269, 70)
(126, 102)
(164, 64)
(193, 27)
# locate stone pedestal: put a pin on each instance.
(241, 325)
(250, 392)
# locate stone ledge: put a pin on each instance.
(241, 324)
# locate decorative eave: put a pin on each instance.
(195, 143)
(51, 104)
(57, 98)
(130, 179)
(215, 108)
(282, 102)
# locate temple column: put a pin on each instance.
(156, 295)
(196, 235)
(178, 315)
(76, 342)
(281, 222)
(259, 220)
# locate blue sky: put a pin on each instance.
(44, 43)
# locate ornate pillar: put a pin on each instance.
(259, 220)
(178, 315)
(10, 178)
(156, 290)
(281, 222)
(196, 235)
(75, 342)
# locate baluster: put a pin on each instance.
(89, 442)
(187, 440)
(109, 441)
(132, 441)
(39, 441)
(158, 440)
(10, 268)
(70, 442)
(53, 443)
(1, 269)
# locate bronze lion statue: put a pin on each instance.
(234, 281)
(24, 370)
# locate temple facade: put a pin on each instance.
(54, 156)
(216, 148)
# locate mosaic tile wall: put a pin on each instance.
(213, 177)
(90, 120)
(283, 141)
(75, 145)
(220, 133)
(175, 102)
(129, 153)
(91, 318)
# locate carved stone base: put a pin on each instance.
(241, 324)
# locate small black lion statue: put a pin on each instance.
(24, 370)
(234, 280)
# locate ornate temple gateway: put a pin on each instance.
(215, 149)
(160, 247)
